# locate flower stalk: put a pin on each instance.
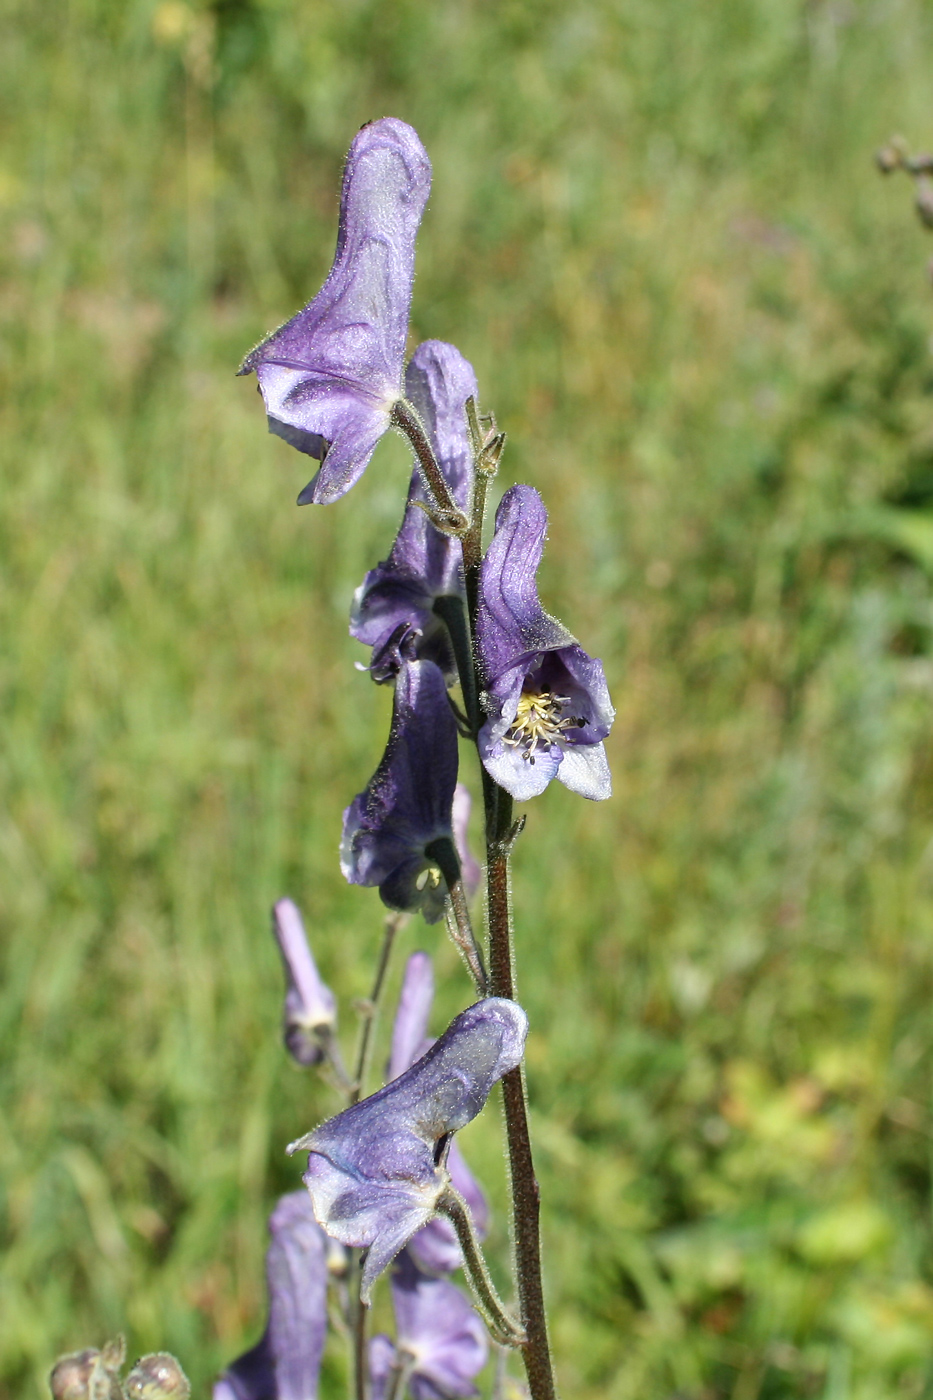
(501, 1326)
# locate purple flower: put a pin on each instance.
(310, 1012)
(377, 1171)
(425, 564)
(442, 1343)
(410, 1027)
(390, 829)
(284, 1364)
(470, 870)
(547, 701)
(435, 1246)
(332, 374)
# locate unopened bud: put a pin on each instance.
(157, 1377)
(89, 1374)
(888, 159)
(924, 201)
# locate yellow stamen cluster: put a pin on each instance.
(539, 721)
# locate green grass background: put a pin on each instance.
(704, 321)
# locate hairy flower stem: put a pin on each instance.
(525, 1197)
(450, 517)
(459, 923)
(393, 923)
(360, 1367)
(502, 1327)
(500, 835)
(391, 927)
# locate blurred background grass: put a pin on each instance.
(703, 319)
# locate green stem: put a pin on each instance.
(459, 922)
(502, 1327)
(360, 1367)
(391, 927)
(451, 612)
(449, 516)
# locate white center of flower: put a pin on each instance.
(540, 720)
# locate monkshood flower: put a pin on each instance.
(547, 701)
(310, 1012)
(391, 829)
(441, 1343)
(331, 376)
(284, 1364)
(424, 564)
(377, 1171)
(435, 1246)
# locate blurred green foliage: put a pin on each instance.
(702, 318)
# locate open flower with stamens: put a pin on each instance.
(284, 1363)
(377, 1171)
(547, 703)
(425, 564)
(331, 376)
(310, 1012)
(441, 1345)
(392, 831)
(435, 1247)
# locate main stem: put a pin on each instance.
(536, 1352)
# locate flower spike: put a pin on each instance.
(310, 1011)
(331, 376)
(547, 701)
(424, 564)
(391, 831)
(377, 1171)
(285, 1362)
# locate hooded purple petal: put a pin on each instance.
(331, 375)
(310, 1012)
(435, 1246)
(547, 701)
(425, 564)
(438, 1327)
(376, 1171)
(408, 803)
(284, 1364)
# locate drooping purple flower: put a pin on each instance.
(377, 1171)
(310, 1012)
(332, 374)
(407, 807)
(285, 1362)
(547, 701)
(442, 1343)
(425, 564)
(435, 1246)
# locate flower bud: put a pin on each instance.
(89, 1374)
(157, 1377)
